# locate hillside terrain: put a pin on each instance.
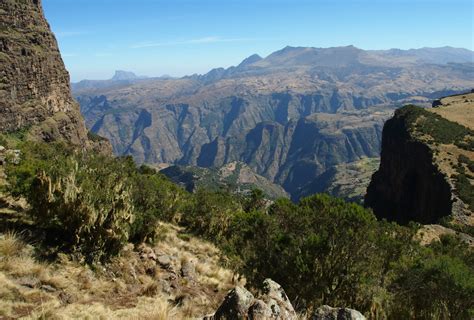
(348, 181)
(427, 166)
(258, 111)
(234, 177)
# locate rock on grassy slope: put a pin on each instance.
(427, 165)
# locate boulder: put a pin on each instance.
(277, 300)
(273, 303)
(235, 306)
(164, 261)
(329, 313)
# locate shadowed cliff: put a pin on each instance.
(426, 170)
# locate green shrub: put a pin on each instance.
(92, 204)
(156, 199)
(465, 190)
(35, 157)
(464, 159)
(87, 207)
(437, 284)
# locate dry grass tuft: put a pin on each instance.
(11, 245)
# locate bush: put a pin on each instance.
(326, 251)
(156, 199)
(465, 190)
(91, 204)
(87, 207)
(438, 284)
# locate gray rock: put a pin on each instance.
(240, 304)
(277, 300)
(28, 282)
(236, 305)
(164, 261)
(188, 270)
(165, 286)
(48, 288)
(329, 313)
(259, 310)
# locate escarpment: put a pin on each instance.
(35, 93)
(408, 186)
(426, 170)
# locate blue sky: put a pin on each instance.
(178, 37)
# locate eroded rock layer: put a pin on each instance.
(34, 84)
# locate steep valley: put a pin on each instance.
(290, 116)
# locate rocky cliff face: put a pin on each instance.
(34, 84)
(426, 170)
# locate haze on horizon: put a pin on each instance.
(181, 37)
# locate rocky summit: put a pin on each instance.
(290, 116)
(35, 93)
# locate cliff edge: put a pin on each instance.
(35, 93)
(427, 164)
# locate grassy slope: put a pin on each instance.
(130, 286)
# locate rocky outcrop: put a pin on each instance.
(34, 84)
(328, 313)
(408, 186)
(426, 161)
(241, 304)
(235, 306)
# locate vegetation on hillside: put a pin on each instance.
(441, 130)
(322, 250)
(463, 180)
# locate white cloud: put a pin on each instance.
(204, 40)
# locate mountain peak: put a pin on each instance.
(250, 60)
(124, 75)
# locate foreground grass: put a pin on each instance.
(131, 286)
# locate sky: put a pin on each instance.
(182, 37)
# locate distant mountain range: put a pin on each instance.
(290, 116)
